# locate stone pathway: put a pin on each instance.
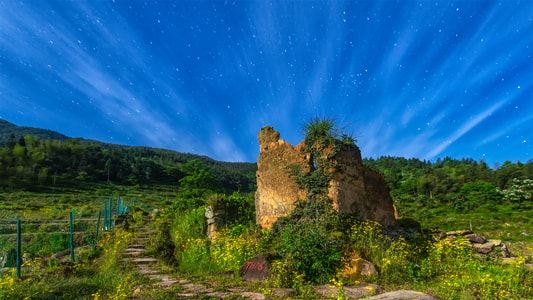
(148, 266)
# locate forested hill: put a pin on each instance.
(461, 184)
(32, 158)
(9, 133)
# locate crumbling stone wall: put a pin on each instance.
(276, 187)
(354, 188)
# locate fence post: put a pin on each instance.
(19, 250)
(71, 241)
(97, 228)
(108, 214)
(119, 206)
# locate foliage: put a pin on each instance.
(186, 227)
(230, 251)
(308, 244)
(452, 268)
(40, 164)
(283, 275)
(96, 274)
(394, 257)
(194, 257)
(521, 190)
(239, 209)
(448, 266)
(451, 193)
(310, 247)
(474, 193)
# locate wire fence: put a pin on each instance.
(54, 239)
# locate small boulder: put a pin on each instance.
(484, 248)
(496, 243)
(357, 267)
(402, 295)
(256, 269)
(350, 291)
(476, 238)
(505, 251)
(367, 268)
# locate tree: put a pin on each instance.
(197, 175)
(520, 190)
(477, 193)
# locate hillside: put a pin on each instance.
(11, 132)
(33, 158)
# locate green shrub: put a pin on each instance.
(229, 251)
(312, 247)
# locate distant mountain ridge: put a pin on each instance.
(8, 129)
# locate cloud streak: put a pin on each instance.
(408, 79)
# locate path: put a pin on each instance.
(148, 266)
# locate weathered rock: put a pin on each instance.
(496, 243)
(284, 293)
(256, 269)
(505, 251)
(253, 296)
(368, 269)
(350, 292)
(402, 295)
(215, 219)
(357, 267)
(476, 238)
(484, 248)
(276, 187)
(354, 188)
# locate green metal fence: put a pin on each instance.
(22, 238)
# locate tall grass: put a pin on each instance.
(448, 268)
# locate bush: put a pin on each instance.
(312, 247)
(191, 246)
(230, 251)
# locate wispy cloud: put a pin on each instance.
(464, 129)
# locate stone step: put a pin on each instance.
(144, 260)
(167, 283)
(132, 253)
(146, 270)
(136, 247)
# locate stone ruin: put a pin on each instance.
(354, 188)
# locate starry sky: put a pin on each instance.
(422, 79)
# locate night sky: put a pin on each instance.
(423, 79)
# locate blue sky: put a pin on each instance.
(424, 79)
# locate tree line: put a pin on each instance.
(465, 184)
(30, 163)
